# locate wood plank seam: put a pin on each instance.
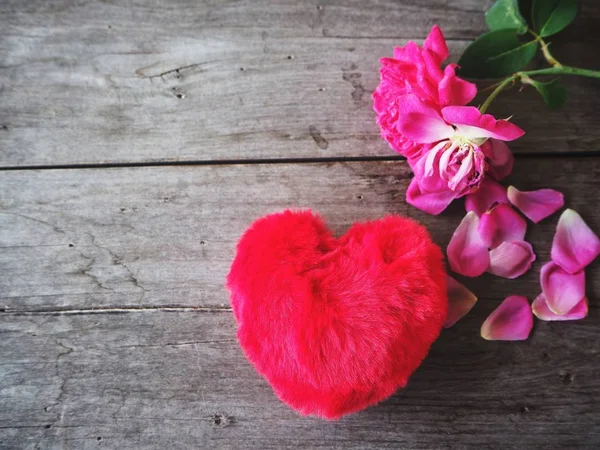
(226, 162)
(114, 310)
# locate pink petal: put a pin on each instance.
(467, 254)
(489, 194)
(536, 205)
(453, 90)
(407, 53)
(542, 312)
(511, 321)
(575, 245)
(437, 44)
(472, 124)
(460, 301)
(428, 177)
(562, 290)
(421, 123)
(429, 202)
(433, 156)
(501, 224)
(429, 73)
(511, 259)
(499, 157)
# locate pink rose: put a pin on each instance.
(415, 70)
(459, 147)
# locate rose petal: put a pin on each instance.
(470, 123)
(536, 205)
(501, 224)
(542, 312)
(453, 90)
(407, 53)
(425, 173)
(467, 254)
(460, 301)
(421, 123)
(425, 169)
(575, 245)
(562, 290)
(489, 194)
(511, 321)
(429, 73)
(499, 157)
(511, 259)
(436, 43)
(429, 202)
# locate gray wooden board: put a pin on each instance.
(126, 339)
(159, 379)
(116, 328)
(156, 236)
(122, 81)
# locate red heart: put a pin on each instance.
(336, 325)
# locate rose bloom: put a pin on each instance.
(460, 147)
(416, 70)
(451, 148)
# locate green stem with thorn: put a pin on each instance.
(525, 76)
(545, 50)
(556, 70)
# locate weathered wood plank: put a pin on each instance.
(107, 82)
(157, 236)
(156, 380)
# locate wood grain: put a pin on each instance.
(121, 81)
(115, 327)
(125, 339)
(165, 236)
(157, 379)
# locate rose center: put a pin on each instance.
(462, 164)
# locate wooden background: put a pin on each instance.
(138, 139)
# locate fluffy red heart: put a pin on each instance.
(336, 325)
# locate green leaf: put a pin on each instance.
(551, 16)
(505, 14)
(553, 92)
(496, 54)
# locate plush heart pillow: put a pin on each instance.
(336, 325)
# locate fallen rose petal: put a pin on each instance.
(543, 312)
(575, 245)
(511, 259)
(501, 224)
(489, 194)
(511, 321)
(467, 253)
(460, 301)
(562, 290)
(536, 205)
